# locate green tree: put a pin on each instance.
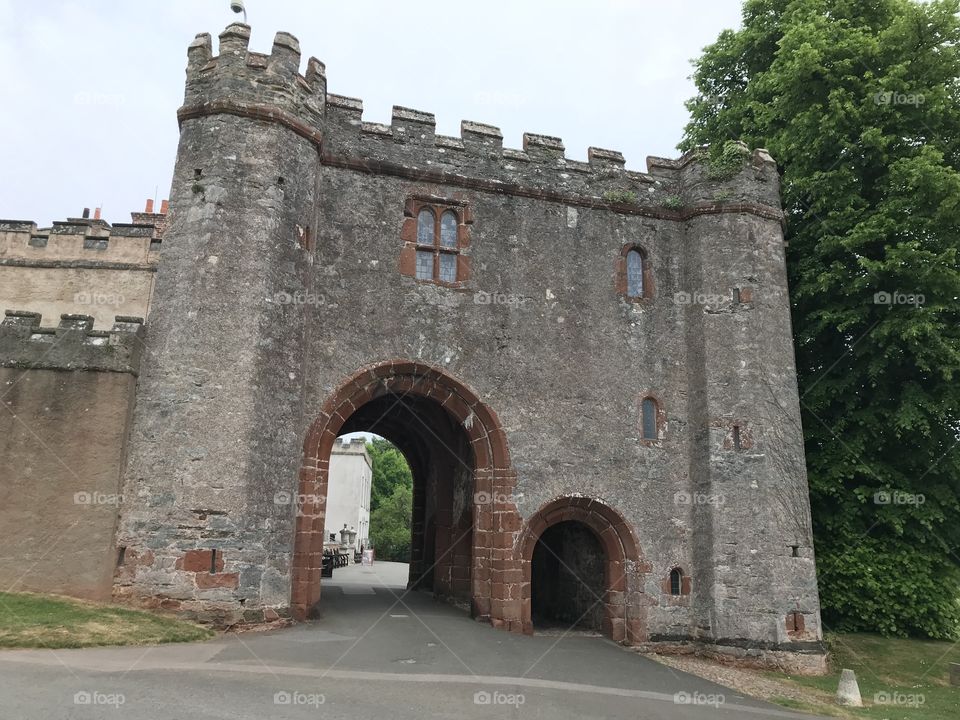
(859, 103)
(390, 525)
(390, 470)
(391, 501)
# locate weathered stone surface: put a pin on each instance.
(61, 452)
(72, 345)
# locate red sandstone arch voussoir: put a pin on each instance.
(622, 622)
(492, 472)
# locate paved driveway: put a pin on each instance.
(376, 653)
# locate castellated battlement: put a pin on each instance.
(270, 88)
(72, 345)
(78, 240)
(267, 87)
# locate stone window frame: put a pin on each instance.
(438, 206)
(620, 274)
(661, 418)
(686, 584)
(737, 431)
(795, 624)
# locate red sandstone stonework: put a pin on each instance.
(491, 552)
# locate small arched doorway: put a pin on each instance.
(567, 578)
(603, 580)
(463, 484)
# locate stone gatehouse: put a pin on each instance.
(589, 369)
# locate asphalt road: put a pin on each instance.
(377, 652)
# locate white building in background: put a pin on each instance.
(348, 491)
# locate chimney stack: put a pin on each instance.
(86, 213)
(96, 213)
(149, 217)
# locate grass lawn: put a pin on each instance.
(899, 679)
(29, 620)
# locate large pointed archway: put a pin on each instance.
(468, 541)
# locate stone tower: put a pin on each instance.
(217, 427)
(573, 356)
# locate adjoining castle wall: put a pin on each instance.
(80, 266)
(67, 394)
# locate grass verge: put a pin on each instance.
(899, 679)
(29, 620)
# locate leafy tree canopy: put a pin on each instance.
(859, 102)
(390, 470)
(391, 502)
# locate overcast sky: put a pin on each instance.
(90, 89)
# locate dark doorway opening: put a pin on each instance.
(568, 578)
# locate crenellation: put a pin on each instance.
(199, 52)
(376, 129)
(18, 226)
(543, 147)
(576, 165)
(244, 82)
(479, 138)
(72, 345)
(344, 112)
(284, 60)
(512, 154)
(234, 41)
(403, 115)
(77, 239)
(138, 230)
(450, 143)
(75, 226)
(81, 265)
(70, 322)
(268, 87)
(258, 60)
(21, 321)
(414, 126)
(605, 158)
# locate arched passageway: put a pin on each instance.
(604, 573)
(567, 578)
(463, 484)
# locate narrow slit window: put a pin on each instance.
(676, 581)
(649, 420)
(736, 437)
(634, 274)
